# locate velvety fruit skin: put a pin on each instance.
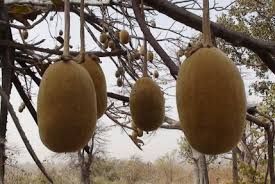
(124, 37)
(211, 101)
(147, 104)
(91, 65)
(103, 37)
(66, 107)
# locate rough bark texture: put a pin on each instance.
(270, 140)
(235, 166)
(200, 168)
(7, 59)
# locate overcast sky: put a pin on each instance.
(119, 145)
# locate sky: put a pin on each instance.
(119, 145)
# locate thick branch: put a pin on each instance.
(164, 56)
(5, 100)
(237, 39)
(19, 46)
(7, 60)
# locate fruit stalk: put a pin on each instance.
(144, 72)
(82, 34)
(67, 27)
(206, 25)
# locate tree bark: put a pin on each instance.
(235, 166)
(7, 59)
(270, 141)
(200, 168)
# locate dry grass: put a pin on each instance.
(119, 172)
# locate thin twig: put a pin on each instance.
(82, 34)
(145, 73)
(22, 134)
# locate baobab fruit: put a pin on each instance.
(25, 34)
(136, 55)
(117, 74)
(150, 56)
(103, 37)
(119, 82)
(124, 37)
(91, 64)
(66, 107)
(211, 101)
(21, 107)
(147, 104)
(153, 23)
(60, 32)
(121, 70)
(156, 74)
(111, 44)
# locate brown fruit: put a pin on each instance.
(121, 70)
(150, 56)
(124, 37)
(21, 107)
(119, 82)
(91, 64)
(147, 104)
(66, 107)
(60, 32)
(103, 37)
(211, 101)
(117, 74)
(25, 34)
(136, 55)
(156, 74)
(111, 44)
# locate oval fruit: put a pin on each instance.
(66, 107)
(124, 37)
(147, 104)
(211, 101)
(91, 65)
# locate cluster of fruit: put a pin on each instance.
(210, 95)
(71, 98)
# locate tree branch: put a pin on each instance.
(5, 100)
(164, 56)
(237, 39)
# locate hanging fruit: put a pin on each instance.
(119, 82)
(150, 56)
(211, 99)
(147, 104)
(124, 37)
(103, 37)
(66, 107)
(91, 64)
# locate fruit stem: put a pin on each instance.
(144, 72)
(206, 25)
(82, 34)
(67, 28)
